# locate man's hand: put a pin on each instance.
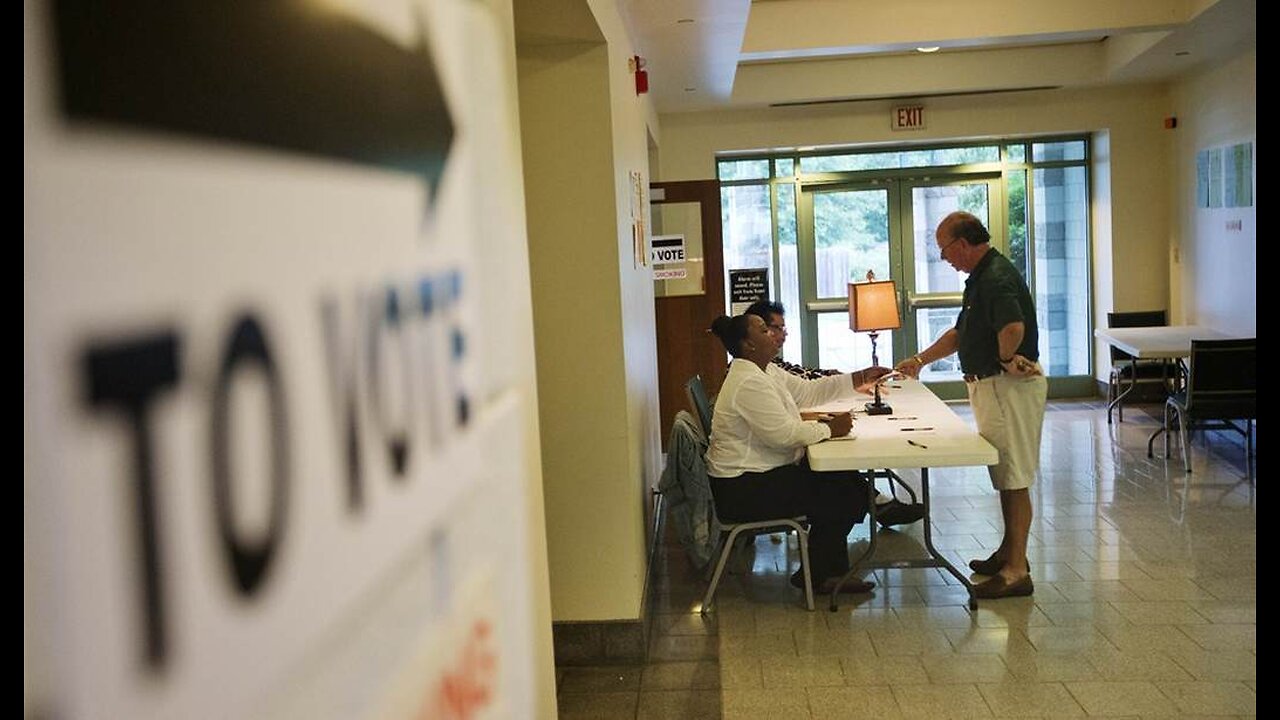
(910, 367)
(946, 344)
(1019, 366)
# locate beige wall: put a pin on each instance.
(634, 121)
(584, 132)
(1214, 269)
(518, 282)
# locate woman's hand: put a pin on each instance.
(875, 372)
(865, 380)
(840, 424)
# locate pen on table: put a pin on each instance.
(919, 445)
(915, 429)
(904, 417)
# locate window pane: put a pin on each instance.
(1062, 270)
(951, 156)
(930, 324)
(786, 167)
(787, 274)
(1069, 150)
(1016, 187)
(840, 348)
(900, 159)
(747, 229)
(929, 205)
(848, 163)
(1015, 153)
(851, 231)
(743, 169)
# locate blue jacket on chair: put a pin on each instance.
(687, 490)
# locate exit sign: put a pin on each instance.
(907, 117)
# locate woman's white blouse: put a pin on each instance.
(757, 426)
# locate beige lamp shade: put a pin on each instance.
(873, 306)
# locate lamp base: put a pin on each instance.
(878, 408)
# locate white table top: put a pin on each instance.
(1170, 341)
(881, 442)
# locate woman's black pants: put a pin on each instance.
(834, 502)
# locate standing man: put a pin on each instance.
(889, 510)
(997, 338)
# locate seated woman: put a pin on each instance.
(756, 457)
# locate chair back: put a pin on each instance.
(1141, 318)
(698, 402)
(1222, 383)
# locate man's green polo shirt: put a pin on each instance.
(994, 296)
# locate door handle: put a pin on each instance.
(826, 305)
(934, 300)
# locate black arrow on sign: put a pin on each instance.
(281, 73)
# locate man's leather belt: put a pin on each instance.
(970, 378)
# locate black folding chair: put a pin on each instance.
(1127, 372)
(1222, 392)
(696, 392)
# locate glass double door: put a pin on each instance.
(886, 227)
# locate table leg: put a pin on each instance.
(893, 478)
(1114, 404)
(944, 563)
(935, 559)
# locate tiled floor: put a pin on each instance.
(1145, 605)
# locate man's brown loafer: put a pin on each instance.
(997, 587)
(990, 566)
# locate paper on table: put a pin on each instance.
(851, 436)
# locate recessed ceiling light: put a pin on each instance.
(683, 21)
(1182, 53)
(930, 49)
(691, 89)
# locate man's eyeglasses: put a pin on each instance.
(777, 328)
(942, 251)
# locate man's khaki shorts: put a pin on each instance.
(1010, 414)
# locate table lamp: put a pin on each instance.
(873, 306)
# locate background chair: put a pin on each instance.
(1128, 371)
(696, 392)
(1222, 389)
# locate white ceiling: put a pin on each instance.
(705, 54)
